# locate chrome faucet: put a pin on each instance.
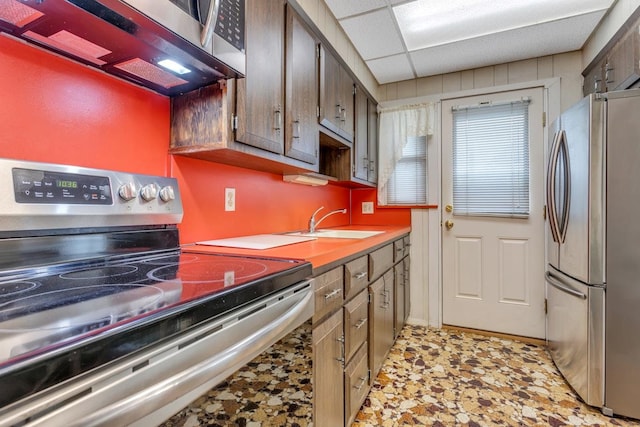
(313, 223)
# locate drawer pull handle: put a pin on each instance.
(361, 275)
(363, 381)
(341, 359)
(332, 294)
(361, 323)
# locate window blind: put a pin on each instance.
(491, 159)
(407, 184)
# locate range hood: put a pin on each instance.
(115, 37)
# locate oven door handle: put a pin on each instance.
(145, 401)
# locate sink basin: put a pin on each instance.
(340, 234)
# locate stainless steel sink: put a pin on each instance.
(339, 234)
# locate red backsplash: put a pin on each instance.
(264, 202)
(380, 216)
(55, 110)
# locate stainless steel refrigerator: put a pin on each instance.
(593, 250)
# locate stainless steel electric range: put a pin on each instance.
(104, 319)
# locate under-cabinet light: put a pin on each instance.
(172, 65)
(305, 179)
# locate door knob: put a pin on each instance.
(449, 224)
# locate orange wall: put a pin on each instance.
(55, 110)
(264, 202)
(380, 216)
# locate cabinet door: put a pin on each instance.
(381, 322)
(261, 94)
(373, 141)
(377, 310)
(301, 132)
(622, 68)
(406, 265)
(328, 378)
(361, 138)
(594, 80)
(400, 313)
(346, 101)
(330, 108)
(388, 334)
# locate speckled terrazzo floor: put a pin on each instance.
(431, 378)
(447, 377)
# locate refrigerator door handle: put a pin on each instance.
(556, 283)
(564, 149)
(551, 196)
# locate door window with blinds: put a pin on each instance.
(491, 159)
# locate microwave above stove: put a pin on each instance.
(169, 46)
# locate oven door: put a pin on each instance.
(148, 387)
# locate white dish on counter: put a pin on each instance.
(258, 241)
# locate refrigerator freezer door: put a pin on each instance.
(575, 334)
(582, 252)
(623, 254)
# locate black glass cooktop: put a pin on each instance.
(49, 309)
(60, 322)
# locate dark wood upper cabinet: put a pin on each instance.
(336, 96)
(372, 142)
(365, 145)
(617, 66)
(361, 142)
(260, 102)
(301, 77)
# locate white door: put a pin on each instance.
(493, 241)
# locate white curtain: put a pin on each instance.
(397, 125)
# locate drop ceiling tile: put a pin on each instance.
(374, 34)
(344, 8)
(427, 23)
(563, 35)
(391, 69)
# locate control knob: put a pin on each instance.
(127, 191)
(149, 192)
(167, 194)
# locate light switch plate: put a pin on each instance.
(229, 199)
(367, 207)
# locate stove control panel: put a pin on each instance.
(52, 196)
(39, 186)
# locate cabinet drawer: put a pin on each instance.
(380, 261)
(401, 248)
(328, 292)
(356, 323)
(356, 384)
(356, 277)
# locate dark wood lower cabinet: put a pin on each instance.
(354, 327)
(328, 384)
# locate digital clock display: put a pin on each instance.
(63, 188)
(63, 183)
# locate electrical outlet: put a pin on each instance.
(229, 199)
(367, 207)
